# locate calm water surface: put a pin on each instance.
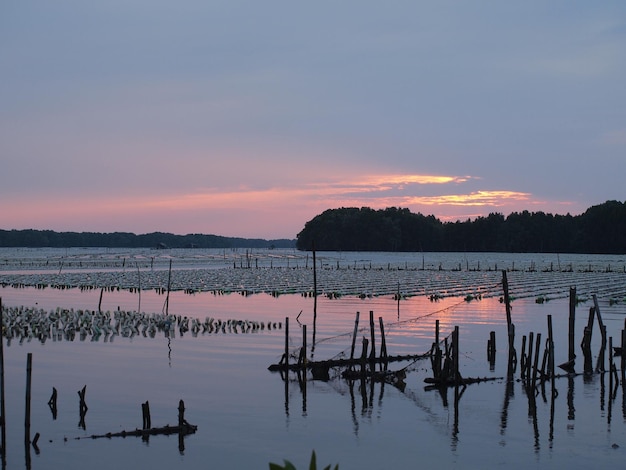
(248, 417)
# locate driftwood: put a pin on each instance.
(342, 362)
(460, 381)
(185, 429)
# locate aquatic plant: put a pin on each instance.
(289, 466)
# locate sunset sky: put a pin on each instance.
(248, 118)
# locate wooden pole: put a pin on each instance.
(139, 289)
(169, 283)
(372, 334)
(2, 389)
(29, 368)
(623, 361)
(356, 328)
(145, 411)
(314, 281)
(572, 318)
(100, 301)
(536, 363)
(455, 354)
(383, 344)
(286, 356)
(509, 323)
(600, 362)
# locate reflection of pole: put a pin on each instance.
(29, 368)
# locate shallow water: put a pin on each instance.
(248, 416)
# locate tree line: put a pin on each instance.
(51, 239)
(600, 229)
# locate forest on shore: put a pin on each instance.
(600, 229)
(157, 240)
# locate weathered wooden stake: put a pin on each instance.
(314, 282)
(100, 301)
(2, 389)
(455, 355)
(372, 334)
(169, 283)
(510, 326)
(145, 411)
(356, 328)
(286, 356)
(52, 403)
(600, 362)
(536, 363)
(364, 356)
(571, 356)
(383, 343)
(623, 357)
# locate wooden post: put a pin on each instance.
(455, 354)
(169, 283)
(509, 324)
(52, 403)
(529, 359)
(181, 423)
(314, 281)
(364, 355)
(82, 407)
(372, 334)
(145, 411)
(29, 368)
(100, 301)
(383, 343)
(356, 328)
(572, 318)
(286, 356)
(600, 362)
(623, 358)
(536, 363)
(551, 354)
(398, 295)
(2, 389)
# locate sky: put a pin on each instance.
(249, 118)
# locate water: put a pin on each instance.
(248, 416)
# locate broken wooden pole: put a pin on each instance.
(3, 442)
(524, 358)
(364, 356)
(586, 347)
(372, 334)
(383, 343)
(169, 283)
(286, 356)
(571, 356)
(455, 357)
(145, 411)
(529, 358)
(510, 326)
(29, 368)
(82, 407)
(491, 349)
(623, 357)
(536, 361)
(52, 403)
(356, 328)
(302, 355)
(314, 282)
(600, 362)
